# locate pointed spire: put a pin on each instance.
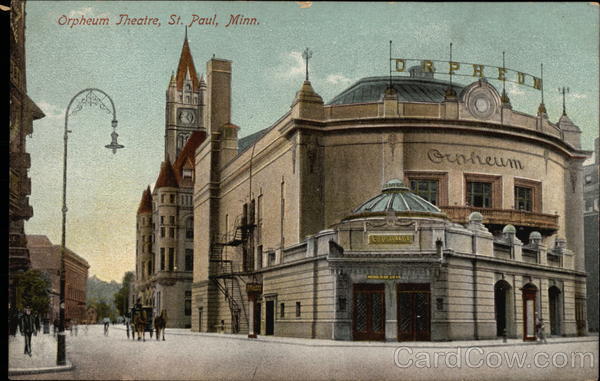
(166, 177)
(145, 202)
(172, 81)
(186, 63)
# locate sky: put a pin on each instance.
(349, 41)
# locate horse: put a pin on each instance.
(160, 323)
(140, 324)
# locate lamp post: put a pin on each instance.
(90, 97)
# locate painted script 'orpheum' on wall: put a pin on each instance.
(438, 157)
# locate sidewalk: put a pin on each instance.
(414, 344)
(43, 355)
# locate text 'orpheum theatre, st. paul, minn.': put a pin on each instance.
(408, 207)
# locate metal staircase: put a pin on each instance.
(227, 275)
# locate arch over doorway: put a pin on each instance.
(555, 309)
(529, 311)
(504, 308)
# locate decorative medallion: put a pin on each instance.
(481, 104)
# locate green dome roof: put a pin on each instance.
(396, 197)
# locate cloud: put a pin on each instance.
(292, 66)
(578, 96)
(338, 79)
(52, 111)
(86, 12)
(514, 89)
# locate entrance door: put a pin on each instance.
(529, 312)
(503, 307)
(414, 312)
(257, 315)
(554, 307)
(270, 316)
(368, 320)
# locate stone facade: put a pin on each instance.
(23, 111)
(277, 253)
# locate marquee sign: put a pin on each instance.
(466, 69)
(388, 239)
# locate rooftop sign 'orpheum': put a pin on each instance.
(466, 69)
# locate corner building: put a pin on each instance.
(420, 211)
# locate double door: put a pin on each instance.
(414, 312)
(368, 320)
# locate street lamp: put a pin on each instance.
(90, 97)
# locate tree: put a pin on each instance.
(122, 296)
(32, 290)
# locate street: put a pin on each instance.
(192, 356)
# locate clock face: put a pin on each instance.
(187, 116)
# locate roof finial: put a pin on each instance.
(563, 91)
(307, 54)
(542, 107)
(450, 93)
(390, 86)
(186, 32)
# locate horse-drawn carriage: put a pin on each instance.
(142, 321)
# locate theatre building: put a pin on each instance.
(406, 208)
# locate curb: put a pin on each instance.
(52, 369)
(357, 344)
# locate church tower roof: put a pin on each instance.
(186, 64)
(146, 202)
(166, 177)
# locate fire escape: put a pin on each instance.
(227, 274)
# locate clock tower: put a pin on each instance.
(184, 112)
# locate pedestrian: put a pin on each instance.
(27, 327)
(126, 320)
(106, 322)
(540, 331)
(75, 327)
(85, 328)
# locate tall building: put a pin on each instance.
(406, 208)
(45, 256)
(164, 249)
(23, 111)
(591, 193)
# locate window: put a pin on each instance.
(188, 303)
(162, 232)
(528, 195)
(479, 194)
(162, 258)
(588, 179)
(149, 267)
(428, 189)
(298, 309)
(172, 198)
(162, 220)
(282, 310)
(172, 232)
(483, 191)
(189, 228)
(171, 258)
(162, 198)
(187, 173)
(524, 199)
(189, 259)
(172, 220)
(432, 186)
